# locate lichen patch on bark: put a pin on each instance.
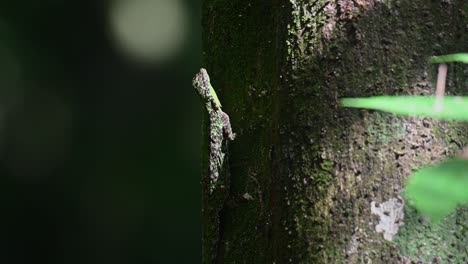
(390, 215)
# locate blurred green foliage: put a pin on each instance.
(453, 107)
(434, 191)
(456, 57)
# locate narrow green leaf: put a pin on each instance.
(456, 57)
(451, 107)
(437, 191)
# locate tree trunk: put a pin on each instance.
(312, 182)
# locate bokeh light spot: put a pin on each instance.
(148, 30)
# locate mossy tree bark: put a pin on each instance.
(312, 182)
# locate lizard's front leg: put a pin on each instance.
(227, 125)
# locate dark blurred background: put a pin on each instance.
(99, 131)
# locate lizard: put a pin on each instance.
(215, 168)
(219, 128)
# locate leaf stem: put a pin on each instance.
(440, 88)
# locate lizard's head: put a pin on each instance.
(201, 82)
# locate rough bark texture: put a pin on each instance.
(312, 182)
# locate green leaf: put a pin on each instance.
(437, 191)
(452, 107)
(457, 57)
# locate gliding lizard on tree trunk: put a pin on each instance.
(215, 175)
(219, 127)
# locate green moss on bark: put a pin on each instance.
(422, 240)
